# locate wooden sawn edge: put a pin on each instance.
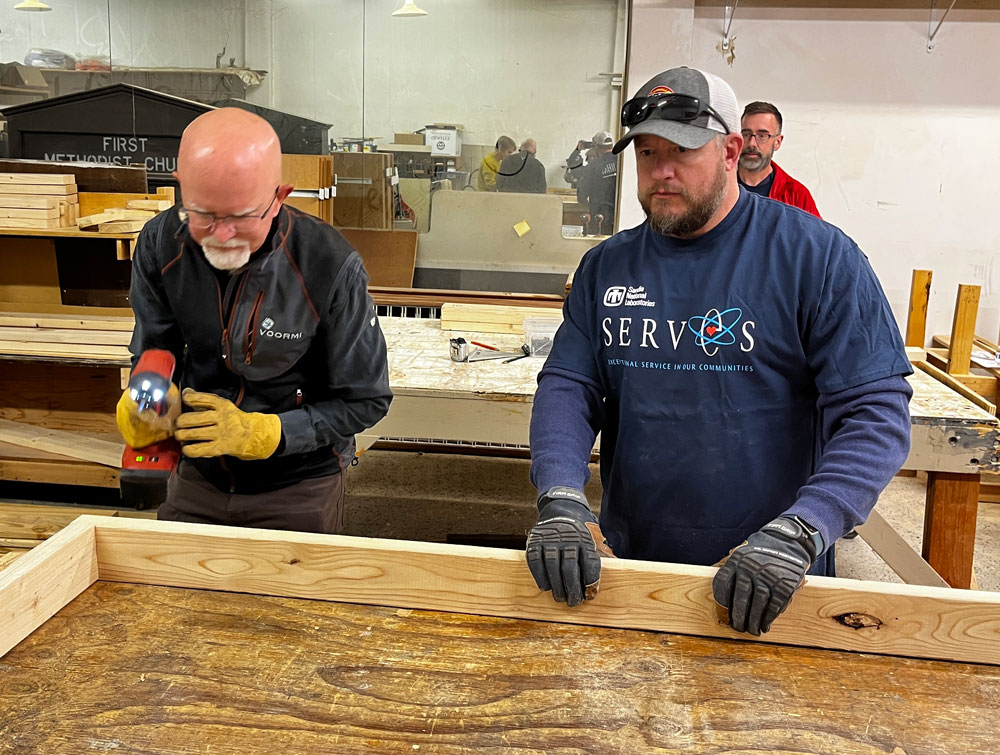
(827, 613)
(45, 579)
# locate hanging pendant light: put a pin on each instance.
(32, 5)
(409, 9)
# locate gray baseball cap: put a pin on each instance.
(604, 138)
(708, 88)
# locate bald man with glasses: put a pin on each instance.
(762, 137)
(280, 357)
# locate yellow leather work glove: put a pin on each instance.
(218, 428)
(141, 429)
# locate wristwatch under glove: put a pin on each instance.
(219, 428)
(758, 580)
(146, 427)
(565, 546)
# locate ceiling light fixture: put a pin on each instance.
(32, 5)
(409, 9)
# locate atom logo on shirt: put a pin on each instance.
(715, 329)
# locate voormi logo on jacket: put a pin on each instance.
(267, 331)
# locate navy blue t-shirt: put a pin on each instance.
(710, 355)
(762, 189)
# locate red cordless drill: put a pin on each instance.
(145, 471)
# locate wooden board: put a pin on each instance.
(36, 522)
(34, 179)
(113, 214)
(110, 354)
(829, 613)
(122, 226)
(28, 272)
(489, 318)
(138, 669)
(37, 223)
(433, 297)
(950, 381)
(951, 507)
(57, 575)
(86, 448)
(94, 202)
(54, 190)
(155, 205)
(963, 329)
(368, 204)
(59, 472)
(897, 553)
(27, 201)
(123, 323)
(389, 256)
(34, 214)
(75, 398)
(65, 336)
(89, 176)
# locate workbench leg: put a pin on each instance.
(950, 525)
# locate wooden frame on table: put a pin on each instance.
(923, 622)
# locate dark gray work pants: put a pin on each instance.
(315, 505)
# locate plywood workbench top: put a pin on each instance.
(121, 669)
(418, 360)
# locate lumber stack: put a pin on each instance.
(92, 338)
(312, 177)
(489, 318)
(38, 201)
(128, 219)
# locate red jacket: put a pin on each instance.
(786, 189)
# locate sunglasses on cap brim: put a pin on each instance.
(667, 107)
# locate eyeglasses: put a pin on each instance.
(206, 220)
(667, 107)
(762, 137)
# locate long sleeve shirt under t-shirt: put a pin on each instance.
(751, 372)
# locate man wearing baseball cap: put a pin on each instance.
(598, 186)
(741, 363)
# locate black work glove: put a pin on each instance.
(760, 576)
(562, 552)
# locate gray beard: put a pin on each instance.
(227, 260)
(700, 212)
(754, 164)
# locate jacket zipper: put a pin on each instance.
(251, 334)
(226, 359)
(298, 397)
(228, 326)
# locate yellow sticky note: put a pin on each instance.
(521, 228)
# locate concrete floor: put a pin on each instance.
(483, 500)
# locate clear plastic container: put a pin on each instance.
(539, 332)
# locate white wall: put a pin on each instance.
(165, 33)
(895, 143)
(514, 67)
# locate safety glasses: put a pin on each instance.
(241, 223)
(668, 107)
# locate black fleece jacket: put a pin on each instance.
(293, 333)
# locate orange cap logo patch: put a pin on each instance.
(661, 90)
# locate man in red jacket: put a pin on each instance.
(761, 127)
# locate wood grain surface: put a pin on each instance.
(907, 620)
(121, 670)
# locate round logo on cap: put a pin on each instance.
(660, 90)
